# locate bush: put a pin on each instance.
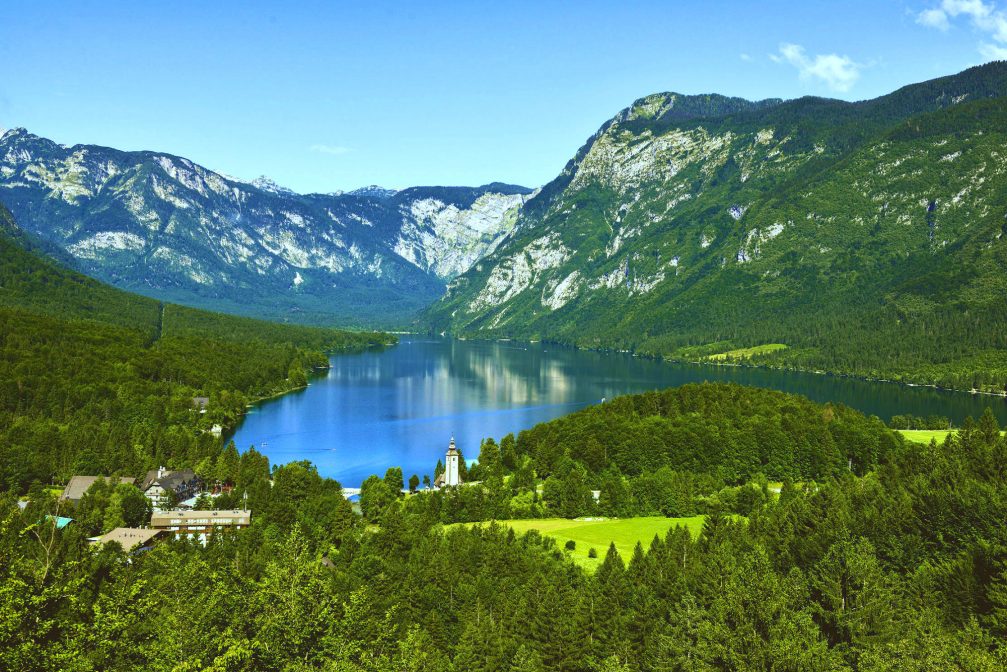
(592, 553)
(571, 545)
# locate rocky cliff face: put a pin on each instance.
(691, 220)
(166, 227)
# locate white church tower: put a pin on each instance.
(451, 475)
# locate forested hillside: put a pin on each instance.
(902, 568)
(866, 237)
(96, 380)
(680, 452)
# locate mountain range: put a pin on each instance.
(166, 227)
(862, 238)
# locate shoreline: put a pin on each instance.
(739, 364)
(316, 371)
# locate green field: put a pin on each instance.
(745, 353)
(598, 534)
(924, 435)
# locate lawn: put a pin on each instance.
(599, 533)
(924, 435)
(745, 353)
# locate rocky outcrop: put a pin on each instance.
(167, 227)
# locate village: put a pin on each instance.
(181, 502)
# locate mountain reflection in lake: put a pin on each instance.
(400, 406)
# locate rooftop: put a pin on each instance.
(167, 478)
(129, 537)
(179, 517)
(78, 485)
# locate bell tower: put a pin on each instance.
(451, 474)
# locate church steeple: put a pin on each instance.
(452, 475)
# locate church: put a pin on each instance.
(451, 476)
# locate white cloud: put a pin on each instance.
(993, 52)
(984, 16)
(330, 149)
(745, 57)
(839, 73)
(933, 18)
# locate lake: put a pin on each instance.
(400, 406)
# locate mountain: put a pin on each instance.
(865, 237)
(166, 227)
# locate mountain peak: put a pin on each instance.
(17, 131)
(374, 191)
(671, 105)
(268, 184)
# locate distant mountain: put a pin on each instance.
(163, 226)
(868, 237)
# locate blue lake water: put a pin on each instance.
(401, 405)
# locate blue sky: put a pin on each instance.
(323, 96)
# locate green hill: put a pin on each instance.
(97, 380)
(867, 237)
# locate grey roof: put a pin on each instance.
(170, 480)
(78, 485)
(129, 537)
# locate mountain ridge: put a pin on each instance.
(164, 226)
(763, 226)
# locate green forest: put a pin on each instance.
(901, 567)
(680, 452)
(94, 380)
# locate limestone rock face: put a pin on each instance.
(691, 219)
(167, 227)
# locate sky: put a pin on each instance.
(327, 96)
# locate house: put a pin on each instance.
(164, 487)
(200, 403)
(132, 539)
(451, 475)
(78, 485)
(199, 524)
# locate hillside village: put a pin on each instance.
(176, 503)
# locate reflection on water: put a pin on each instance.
(401, 405)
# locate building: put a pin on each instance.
(163, 487)
(78, 485)
(452, 474)
(200, 403)
(199, 524)
(132, 539)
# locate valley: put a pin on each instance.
(857, 235)
(724, 393)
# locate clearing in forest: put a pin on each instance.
(745, 353)
(925, 435)
(598, 533)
